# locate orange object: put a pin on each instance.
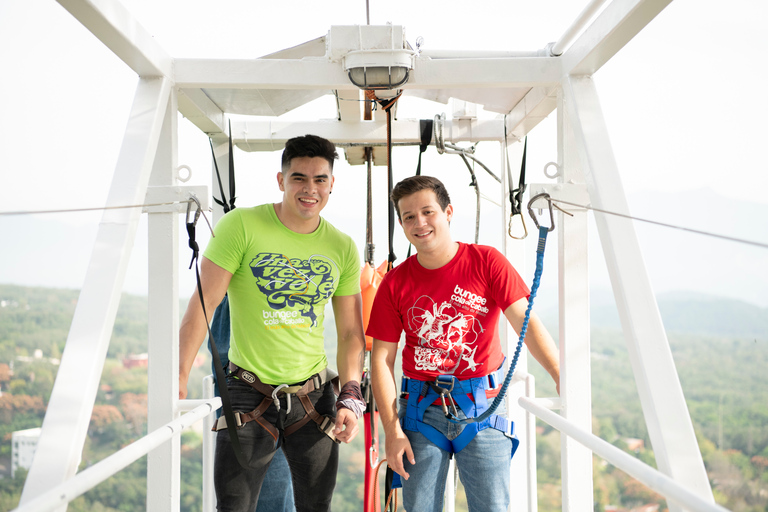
(370, 279)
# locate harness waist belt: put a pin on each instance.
(325, 423)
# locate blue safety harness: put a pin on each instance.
(422, 394)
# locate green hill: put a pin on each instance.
(719, 347)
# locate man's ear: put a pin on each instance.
(449, 212)
(280, 183)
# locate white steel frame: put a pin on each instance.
(587, 169)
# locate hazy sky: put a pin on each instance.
(684, 103)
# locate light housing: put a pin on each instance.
(378, 69)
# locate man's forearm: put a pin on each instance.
(385, 392)
(349, 358)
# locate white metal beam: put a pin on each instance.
(269, 136)
(163, 463)
(113, 24)
(314, 73)
(531, 110)
(66, 421)
(661, 396)
(619, 22)
(202, 112)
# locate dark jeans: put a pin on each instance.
(277, 491)
(312, 456)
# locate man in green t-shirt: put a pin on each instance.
(280, 264)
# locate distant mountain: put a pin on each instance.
(693, 313)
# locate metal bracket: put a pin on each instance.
(571, 192)
(178, 195)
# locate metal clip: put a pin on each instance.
(442, 391)
(198, 211)
(525, 229)
(277, 400)
(545, 196)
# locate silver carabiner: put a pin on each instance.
(545, 196)
(277, 400)
(198, 211)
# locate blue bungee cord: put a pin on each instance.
(543, 230)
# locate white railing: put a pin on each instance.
(644, 473)
(89, 478)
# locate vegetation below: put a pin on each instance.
(722, 374)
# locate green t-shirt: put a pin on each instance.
(281, 282)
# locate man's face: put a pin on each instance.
(425, 224)
(306, 186)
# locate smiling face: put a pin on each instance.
(427, 226)
(305, 186)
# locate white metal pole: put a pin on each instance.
(653, 478)
(666, 414)
(62, 494)
(515, 250)
(574, 328)
(164, 464)
(209, 450)
(576, 27)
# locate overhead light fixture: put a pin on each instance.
(378, 69)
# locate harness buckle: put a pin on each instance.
(439, 387)
(277, 400)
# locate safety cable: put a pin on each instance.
(543, 231)
(369, 245)
(664, 224)
(387, 105)
(95, 208)
(475, 184)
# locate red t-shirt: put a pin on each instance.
(450, 315)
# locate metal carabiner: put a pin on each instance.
(277, 400)
(525, 229)
(198, 211)
(545, 196)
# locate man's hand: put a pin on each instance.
(346, 425)
(398, 447)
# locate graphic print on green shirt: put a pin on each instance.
(293, 283)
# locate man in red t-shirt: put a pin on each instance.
(448, 299)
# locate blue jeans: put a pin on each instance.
(277, 490)
(312, 456)
(483, 466)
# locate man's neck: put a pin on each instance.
(301, 226)
(439, 257)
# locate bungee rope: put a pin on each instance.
(543, 231)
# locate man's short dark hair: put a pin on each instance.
(416, 184)
(309, 146)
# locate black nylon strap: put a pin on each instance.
(227, 205)
(516, 195)
(426, 138)
(226, 404)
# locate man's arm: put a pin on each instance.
(348, 311)
(537, 338)
(385, 392)
(214, 281)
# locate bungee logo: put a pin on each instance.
(469, 299)
(290, 283)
